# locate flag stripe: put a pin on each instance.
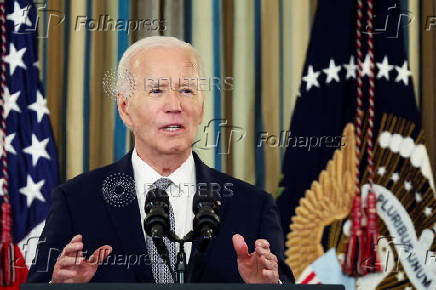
(309, 278)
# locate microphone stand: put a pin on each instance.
(181, 255)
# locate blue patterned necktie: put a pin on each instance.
(161, 272)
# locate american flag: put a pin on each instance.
(31, 161)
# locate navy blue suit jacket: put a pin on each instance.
(78, 207)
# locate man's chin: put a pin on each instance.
(175, 149)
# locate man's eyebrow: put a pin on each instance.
(157, 84)
(161, 84)
(188, 81)
(165, 83)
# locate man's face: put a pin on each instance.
(166, 107)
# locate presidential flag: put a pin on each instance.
(29, 164)
(319, 167)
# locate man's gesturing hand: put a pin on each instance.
(72, 267)
(261, 266)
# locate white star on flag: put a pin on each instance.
(351, 68)
(40, 106)
(11, 102)
(384, 68)
(395, 177)
(311, 78)
(381, 171)
(8, 140)
(366, 67)
(403, 73)
(418, 197)
(15, 58)
(36, 64)
(37, 149)
(32, 190)
(428, 211)
(332, 71)
(407, 185)
(19, 16)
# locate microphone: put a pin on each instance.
(206, 222)
(157, 222)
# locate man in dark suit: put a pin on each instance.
(102, 211)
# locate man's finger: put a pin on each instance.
(267, 264)
(76, 238)
(100, 254)
(270, 276)
(262, 243)
(240, 246)
(72, 248)
(262, 251)
(270, 256)
(63, 274)
(66, 261)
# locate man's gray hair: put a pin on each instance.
(125, 80)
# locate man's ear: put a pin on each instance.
(122, 104)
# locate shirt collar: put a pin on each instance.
(145, 175)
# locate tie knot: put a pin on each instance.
(163, 183)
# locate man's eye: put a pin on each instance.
(187, 91)
(155, 91)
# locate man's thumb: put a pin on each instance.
(240, 246)
(100, 254)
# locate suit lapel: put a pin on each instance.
(197, 261)
(128, 225)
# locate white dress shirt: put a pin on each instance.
(180, 193)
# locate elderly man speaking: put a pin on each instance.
(95, 231)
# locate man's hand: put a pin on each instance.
(72, 267)
(261, 266)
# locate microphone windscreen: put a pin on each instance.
(157, 195)
(205, 198)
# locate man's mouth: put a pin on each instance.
(172, 127)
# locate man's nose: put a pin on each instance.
(173, 102)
